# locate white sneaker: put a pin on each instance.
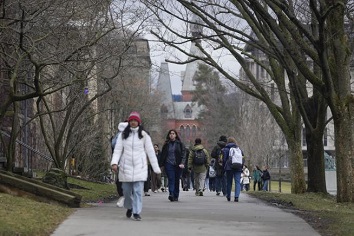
(120, 202)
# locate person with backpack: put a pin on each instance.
(211, 174)
(217, 153)
(198, 161)
(233, 165)
(246, 178)
(173, 157)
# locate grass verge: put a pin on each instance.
(24, 216)
(321, 211)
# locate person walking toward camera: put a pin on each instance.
(265, 178)
(198, 161)
(173, 156)
(121, 127)
(130, 155)
(156, 178)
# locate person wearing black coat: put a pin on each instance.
(217, 154)
(173, 157)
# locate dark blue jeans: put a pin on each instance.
(236, 176)
(173, 173)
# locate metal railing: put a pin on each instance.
(48, 158)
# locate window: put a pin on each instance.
(188, 112)
(194, 131)
(181, 132)
(188, 132)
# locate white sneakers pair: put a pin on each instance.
(120, 202)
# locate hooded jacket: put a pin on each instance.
(201, 168)
(131, 155)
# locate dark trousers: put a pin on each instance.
(173, 173)
(147, 183)
(212, 183)
(185, 180)
(220, 183)
(119, 187)
(259, 185)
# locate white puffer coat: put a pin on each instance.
(131, 156)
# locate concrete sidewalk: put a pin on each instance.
(206, 215)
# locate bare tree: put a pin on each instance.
(223, 31)
(282, 34)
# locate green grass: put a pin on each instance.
(321, 211)
(25, 216)
(93, 192)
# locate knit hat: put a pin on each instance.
(134, 116)
(223, 138)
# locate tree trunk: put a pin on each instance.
(316, 165)
(316, 109)
(340, 99)
(344, 157)
(298, 184)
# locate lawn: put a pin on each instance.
(25, 216)
(321, 211)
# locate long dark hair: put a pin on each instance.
(168, 135)
(128, 130)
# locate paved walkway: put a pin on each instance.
(207, 215)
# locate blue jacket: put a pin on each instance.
(226, 163)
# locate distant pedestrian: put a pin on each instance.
(186, 182)
(217, 153)
(198, 161)
(246, 178)
(156, 178)
(121, 127)
(131, 154)
(173, 156)
(256, 176)
(265, 178)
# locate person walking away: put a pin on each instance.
(212, 174)
(265, 178)
(156, 178)
(246, 178)
(173, 156)
(257, 180)
(130, 155)
(233, 163)
(198, 161)
(217, 154)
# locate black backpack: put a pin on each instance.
(199, 157)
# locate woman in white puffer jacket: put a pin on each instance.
(130, 154)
